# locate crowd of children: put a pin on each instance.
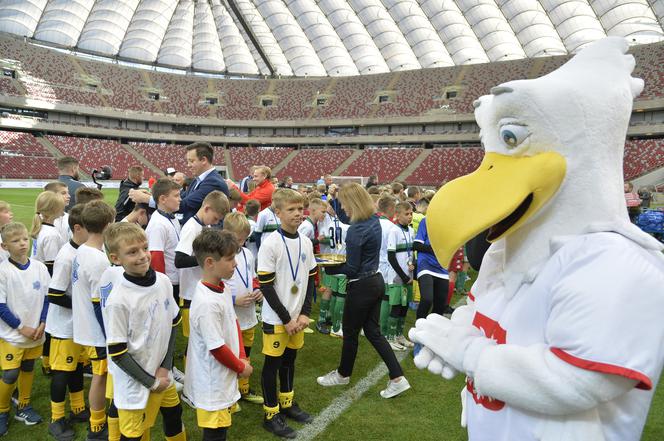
(110, 297)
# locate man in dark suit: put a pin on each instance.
(68, 174)
(200, 162)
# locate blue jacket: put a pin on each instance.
(72, 185)
(363, 241)
(193, 198)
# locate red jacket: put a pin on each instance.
(262, 193)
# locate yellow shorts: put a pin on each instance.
(184, 309)
(214, 419)
(248, 337)
(109, 387)
(276, 340)
(12, 356)
(134, 422)
(98, 359)
(66, 354)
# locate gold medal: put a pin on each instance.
(294, 289)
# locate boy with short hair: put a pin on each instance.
(286, 270)
(213, 209)
(163, 231)
(62, 223)
(216, 354)
(400, 275)
(266, 222)
(88, 194)
(244, 290)
(141, 315)
(333, 290)
(23, 308)
(88, 325)
(66, 356)
(386, 206)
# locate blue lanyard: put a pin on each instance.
(299, 253)
(245, 280)
(170, 221)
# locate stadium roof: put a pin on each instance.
(328, 37)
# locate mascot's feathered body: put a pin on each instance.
(562, 338)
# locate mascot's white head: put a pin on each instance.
(553, 163)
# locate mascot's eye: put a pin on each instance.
(513, 135)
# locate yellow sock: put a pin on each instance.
(270, 412)
(25, 380)
(286, 399)
(182, 436)
(6, 391)
(77, 401)
(113, 429)
(243, 385)
(46, 361)
(57, 410)
(97, 419)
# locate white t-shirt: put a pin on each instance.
(241, 283)
(48, 243)
(212, 323)
(252, 245)
(23, 291)
(62, 225)
(334, 230)
(142, 317)
(59, 319)
(189, 277)
(4, 255)
(163, 235)
(267, 222)
(400, 240)
(273, 258)
(384, 267)
(87, 269)
(597, 304)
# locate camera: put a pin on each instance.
(103, 174)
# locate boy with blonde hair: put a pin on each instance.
(89, 264)
(141, 315)
(245, 292)
(61, 224)
(213, 209)
(286, 270)
(216, 350)
(23, 308)
(66, 356)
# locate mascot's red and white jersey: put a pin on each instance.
(597, 304)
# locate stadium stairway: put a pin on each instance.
(277, 168)
(229, 165)
(143, 159)
(344, 165)
(413, 165)
(58, 154)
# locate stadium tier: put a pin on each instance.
(387, 163)
(242, 158)
(310, 164)
(170, 155)
(445, 164)
(642, 156)
(47, 75)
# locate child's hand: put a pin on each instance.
(248, 370)
(27, 331)
(292, 327)
(411, 268)
(39, 331)
(164, 383)
(162, 373)
(302, 322)
(258, 295)
(245, 299)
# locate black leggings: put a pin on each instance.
(362, 311)
(433, 290)
(284, 367)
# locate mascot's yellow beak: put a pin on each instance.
(501, 195)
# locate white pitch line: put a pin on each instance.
(343, 401)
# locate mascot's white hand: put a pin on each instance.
(426, 359)
(457, 345)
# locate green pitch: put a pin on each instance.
(429, 411)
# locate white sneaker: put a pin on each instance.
(395, 345)
(332, 379)
(339, 333)
(394, 388)
(178, 375)
(178, 386)
(403, 341)
(362, 333)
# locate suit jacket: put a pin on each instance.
(193, 198)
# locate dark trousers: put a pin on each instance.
(433, 291)
(362, 311)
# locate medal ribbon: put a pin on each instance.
(299, 253)
(245, 280)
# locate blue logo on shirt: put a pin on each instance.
(36, 285)
(166, 304)
(34, 247)
(74, 272)
(303, 257)
(104, 292)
